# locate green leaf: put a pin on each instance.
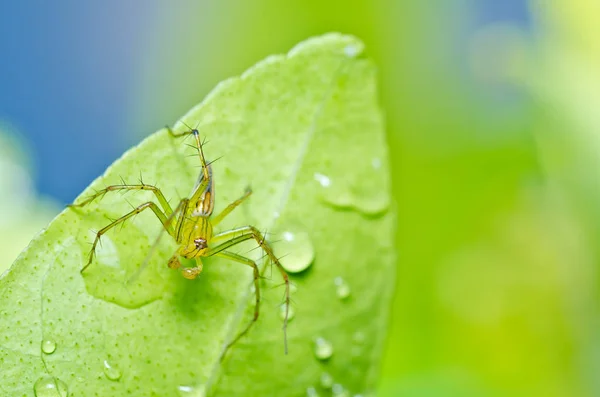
(304, 130)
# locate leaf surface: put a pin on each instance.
(305, 131)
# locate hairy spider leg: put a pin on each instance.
(241, 259)
(236, 236)
(157, 211)
(177, 217)
(219, 217)
(194, 131)
(159, 196)
(163, 215)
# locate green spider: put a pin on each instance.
(191, 225)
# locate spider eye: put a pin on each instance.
(200, 243)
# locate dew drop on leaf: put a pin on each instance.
(342, 289)
(298, 250)
(323, 349)
(311, 392)
(364, 190)
(48, 346)
(293, 288)
(351, 51)
(192, 391)
(112, 278)
(48, 386)
(290, 314)
(326, 380)
(322, 179)
(111, 372)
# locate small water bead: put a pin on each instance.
(192, 391)
(252, 295)
(336, 194)
(111, 372)
(342, 288)
(48, 386)
(115, 278)
(376, 163)
(48, 346)
(338, 390)
(290, 314)
(298, 250)
(323, 349)
(351, 51)
(326, 380)
(366, 191)
(322, 179)
(372, 195)
(311, 392)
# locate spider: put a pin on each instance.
(191, 224)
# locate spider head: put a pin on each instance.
(200, 243)
(194, 248)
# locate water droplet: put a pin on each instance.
(192, 391)
(366, 190)
(376, 163)
(342, 288)
(298, 250)
(111, 372)
(326, 380)
(48, 386)
(291, 312)
(114, 277)
(351, 51)
(276, 214)
(339, 391)
(311, 392)
(322, 179)
(323, 349)
(48, 346)
(252, 295)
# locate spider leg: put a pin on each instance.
(194, 131)
(236, 236)
(175, 232)
(218, 218)
(241, 259)
(157, 211)
(159, 196)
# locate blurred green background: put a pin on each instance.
(493, 113)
